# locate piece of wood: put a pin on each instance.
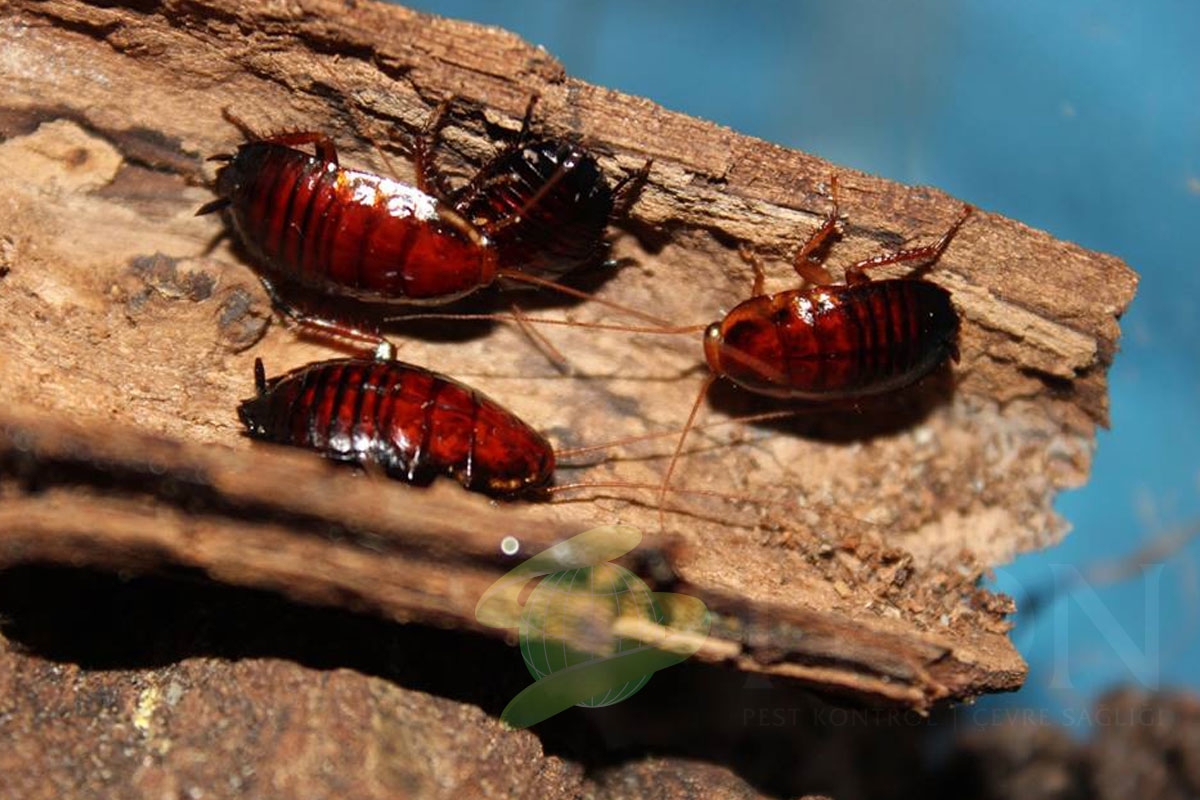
(126, 343)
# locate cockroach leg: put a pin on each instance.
(242, 126)
(527, 119)
(808, 259)
(857, 273)
(260, 377)
(628, 190)
(757, 288)
(325, 149)
(329, 329)
(424, 145)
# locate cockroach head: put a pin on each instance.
(714, 345)
(253, 414)
(228, 182)
(543, 475)
(532, 484)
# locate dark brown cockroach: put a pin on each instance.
(537, 209)
(546, 205)
(414, 423)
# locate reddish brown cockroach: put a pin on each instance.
(414, 423)
(831, 341)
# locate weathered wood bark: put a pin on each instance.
(126, 343)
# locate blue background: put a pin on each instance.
(1082, 119)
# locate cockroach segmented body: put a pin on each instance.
(311, 222)
(414, 423)
(546, 205)
(833, 342)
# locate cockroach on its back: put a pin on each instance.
(562, 199)
(414, 423)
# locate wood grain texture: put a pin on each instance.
(127, 343)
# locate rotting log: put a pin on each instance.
(127, 340)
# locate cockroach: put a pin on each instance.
(537, 208)
(559, 199)
(829, 341)
(414, 423)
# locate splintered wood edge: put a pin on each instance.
(121, 499)
(1034, 334)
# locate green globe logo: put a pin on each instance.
(582, 606)
(591, 632)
